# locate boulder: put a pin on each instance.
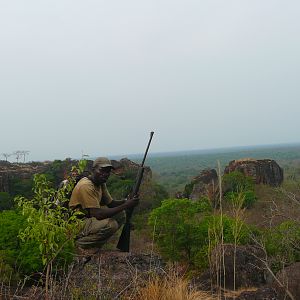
(264, 293)
(289, 278)
(126, 165)
(205, 184)
(248, 270)
(263, 171)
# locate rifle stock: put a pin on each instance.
(124, 240)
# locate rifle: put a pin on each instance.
(124, 239)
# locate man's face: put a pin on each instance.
(100, 174)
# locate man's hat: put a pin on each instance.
(103, 162)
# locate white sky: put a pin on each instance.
(98, 76)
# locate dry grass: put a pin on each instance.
(170, 288)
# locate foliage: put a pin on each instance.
(216, 229)
(5, 201)
(56, 171)
(21, 187)
(237, 181)
(38, 233)
(188, 189)
(7, 274)
(14, 254)
(51, 227)
(120, 187)
(152, 192)
(176, 224)
(239, 187)
(186, 230)
(160, 194)
(248, 198)
(283, 243)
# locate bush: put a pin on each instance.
(248, 198)
(188, 189)
(237, 181)
(5, 201)
(52, 228)
(21, 187)
(119, 187)
(216, 229)
(14, 254)
(39, 234)
(185, 230)
(176, 224)
(283, 243)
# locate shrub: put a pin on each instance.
(119, 187)
(51, 227)
(21, 187)
(176, 227)
(14, 254)
(188, 189)
(237, 181)
(185, 230)
(283, 243)
(38, 234)
(248, 198)
(5, 201)
(216, 229)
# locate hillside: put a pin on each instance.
(175, 170)
(252, 225)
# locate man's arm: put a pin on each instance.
(115, 203)
(107, 212)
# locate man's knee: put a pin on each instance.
(113, 225)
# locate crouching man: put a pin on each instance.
(104, 216)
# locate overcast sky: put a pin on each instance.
(95, 77)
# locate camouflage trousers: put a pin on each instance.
(95, 233)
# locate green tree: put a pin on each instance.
(237, 181)
(176, 224)
(5, 201)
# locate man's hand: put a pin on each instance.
(107, 212)
(132, 202)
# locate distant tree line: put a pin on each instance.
(19, 155)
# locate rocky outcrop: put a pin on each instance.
(264, 293)
(289, 279)
(263, 171)
(126, 165)
(246, 270)
(205, 184)
(118, 272)
(15, 171)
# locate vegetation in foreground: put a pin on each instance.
(184, 231)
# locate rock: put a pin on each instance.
(290, 278)
(126, 166)
(249, 270)
(18, 171)
(263, 171)
(265, 293)
(117, 272)
(204, 185)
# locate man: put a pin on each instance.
(104, 215)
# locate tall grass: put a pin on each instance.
(172, 287)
